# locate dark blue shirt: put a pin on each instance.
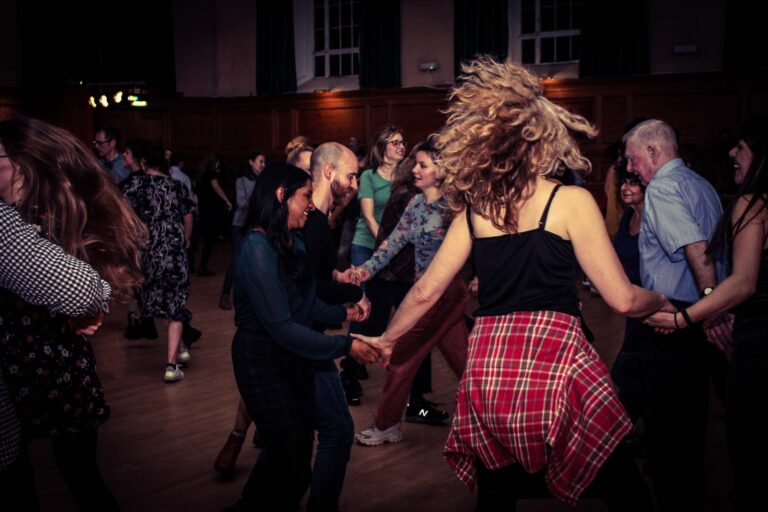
(267, 301)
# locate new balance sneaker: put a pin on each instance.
(374, 437)
(173, 373)
(183, 355)
(426, 413)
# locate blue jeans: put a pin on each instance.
(359, 255)
(335, 435)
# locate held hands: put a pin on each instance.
(353, 275)
(363, 353)
(86, 325)
(356, 312)
(719, 331)
(365, 306)
(380, 343)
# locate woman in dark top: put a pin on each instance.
(57, 184)
(535, 403)
(626, 368)
(214, 206)
(744, 231)
(274, 348)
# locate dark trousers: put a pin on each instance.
(676, 372)
(618, 483)
(17, 484)
(236, 240)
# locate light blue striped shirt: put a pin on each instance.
(681, 208)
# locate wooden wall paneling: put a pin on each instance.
(120, 118)
(245, 128)
(332, 124)
(378, 117)
(613, 118)
(196, 129)
(152, 125)
(284, 133)
(418, 120)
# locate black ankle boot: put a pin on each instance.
(134, 330)
(148, 327)
(189, 334)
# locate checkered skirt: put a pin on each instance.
(535, 393)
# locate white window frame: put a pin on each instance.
(304, 42)
(567, 69)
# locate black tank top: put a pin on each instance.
(529, 271)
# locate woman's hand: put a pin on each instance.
(359, 275)
(473, 284)
(365, 306)
(363, 353)
(380, 343)
(356, 312)
(662, 321)
(719, 331)
(86, 325)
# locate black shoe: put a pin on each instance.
(361, 372)
(134, 330)
(148, 327)
(189, 334)
(351, 388)
(425, 413)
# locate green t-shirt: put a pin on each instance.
(372, 185)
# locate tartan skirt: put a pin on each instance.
(535, 393)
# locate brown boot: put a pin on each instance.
(225, 462)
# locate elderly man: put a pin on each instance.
(681, 212)
(106, 142)
(334, 176)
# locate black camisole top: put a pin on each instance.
(532, 270)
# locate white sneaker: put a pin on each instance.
(173, 373)
(183, 355)
(374, 437)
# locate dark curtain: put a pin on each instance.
(379, 43)
(275, 58)
(614, 38)
(479, 27)
(744, 38)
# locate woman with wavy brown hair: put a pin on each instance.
(535, 403)
(56, 183)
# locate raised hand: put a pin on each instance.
(343, 277)
(86, 325)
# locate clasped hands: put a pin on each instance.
(718, 329)
(353, 275)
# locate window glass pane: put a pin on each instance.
(346, 37)
(356, 64)
(319, 3)
(319, 40)
(356, 37)
(320, 18)
(547, 18)
(563, 49)
(346, 13)
(575, 47)
(547, 3)
(334, 40)
(528, 21)
(529, 51)
(563, 21)
(320, 65)
(346, 64)
(333, 16)
(547, 49)
(335, 65)
(576, 15)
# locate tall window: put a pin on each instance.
(550, 31)
(337, 38)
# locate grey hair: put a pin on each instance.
(653, 131)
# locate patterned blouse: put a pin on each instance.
(422, 224)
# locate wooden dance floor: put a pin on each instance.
(156, 452)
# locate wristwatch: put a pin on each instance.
(706, 291)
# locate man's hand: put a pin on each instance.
(380, 343)
(719, 330)
(365, 305)
(363, 353)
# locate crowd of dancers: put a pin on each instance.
(538, 413)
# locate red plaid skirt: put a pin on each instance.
(535, 393)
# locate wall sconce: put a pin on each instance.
(118, 97)
(92, 101)
(429, 67)
(103, 101)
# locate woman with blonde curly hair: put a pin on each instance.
(535, 403)
(56, 183)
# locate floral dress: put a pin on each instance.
(50, 371)
(161, 203)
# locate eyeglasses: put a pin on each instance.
(632, 180)
(100, 142)
(398, 143)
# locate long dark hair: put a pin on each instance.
(271, 215)
(755, 134)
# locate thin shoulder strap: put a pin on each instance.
(469, 223)
(543, 220)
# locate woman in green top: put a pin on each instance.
(387, 151)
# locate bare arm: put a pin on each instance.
(426, 291)
(598, 259)
(366, 210)
(220, 192)
(188, 221)
(701, 264)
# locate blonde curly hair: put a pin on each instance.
(500, 135)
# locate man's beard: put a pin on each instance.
(338, 192)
